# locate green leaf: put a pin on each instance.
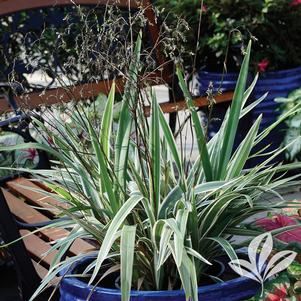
(226, 246)
(165, 237)
(197, 255)
(242, 154)
(122, 144)
(251, 106)
(106, 124)
(169, 202)
(201, 141)
(127, 248)
(249, 91)
(168, 136)
(184, 271)
(178, 239)
(210, 186)
(193, 225)
(212, 214)
(108, 240)
(106, 181)
(155, 156)
(187, 274)
(235, 111)
(126, 120)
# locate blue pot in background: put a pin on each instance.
(277, 83)
(239, 289)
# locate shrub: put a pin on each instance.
(227, 25)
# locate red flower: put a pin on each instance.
(295, 2)
(50, 141)
(262, 65)
(278, 294)
(31, 153)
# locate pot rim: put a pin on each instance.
(273, 72)
(76, 282)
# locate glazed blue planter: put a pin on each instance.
(73, 289)
(276, 83)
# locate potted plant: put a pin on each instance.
(160, 220)
(221, 38)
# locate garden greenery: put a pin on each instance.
(227, 25)
(158, 218)
(292, 125)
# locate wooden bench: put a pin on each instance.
(30, 211)
(21, 209)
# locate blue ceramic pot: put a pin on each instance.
(277, 83)
(73, 289)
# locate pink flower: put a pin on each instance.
(204, 8)
(279, 221)
(31, 153)
(50, 141)
(295, 2)
(262, 65)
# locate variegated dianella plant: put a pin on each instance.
(158, 219)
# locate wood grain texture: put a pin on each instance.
(62, 95)
(169, 107)
(37, 248)
(27, 214)
(26, 188)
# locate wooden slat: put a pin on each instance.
(42, 272)
(23, 186)
(80, 247)
(22, 211)
(12, 6)
(35, 99)
(168, 107)
(27, 214)
(61, 95)
(73, 93)
(37, 247)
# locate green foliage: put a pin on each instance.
(26, 158)
(293, 125)
(157, 217)
(227, 25)
(286, 286)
